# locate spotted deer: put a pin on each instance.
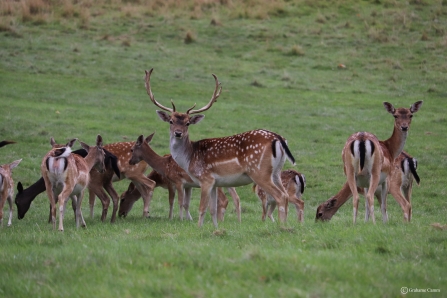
(67, 175)
(294, 183)
(368, 162)
(171, 171)
(253, 156)
(7, 188)
(399, 182)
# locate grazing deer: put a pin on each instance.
(399, 182)
(97, 182)
(368, 162)
(135, 173)
(7, 188)
(294, 183)
(171, 171)
(253, 156)
(67, 175)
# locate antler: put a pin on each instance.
(213, 99)
(151, 95)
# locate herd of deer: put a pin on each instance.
(258, 156)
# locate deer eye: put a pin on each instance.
(187, 123)
(170, 122)
(395, 116)
(411, 116)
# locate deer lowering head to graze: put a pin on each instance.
(67, 175)
(169, 171)
(399, 183)
(97, 183)
(7, 188)
(253, 156)
(368, 162)
(294, 183)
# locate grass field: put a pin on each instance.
(312, 71)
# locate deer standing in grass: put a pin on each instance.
(67, 175)
(169, 169)
(294, 183)
(253, 156)
(368, 162)
(7, 188)
(400, 182)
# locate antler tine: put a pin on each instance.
(151, 95)
(216, 94)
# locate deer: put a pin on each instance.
(253, 156)
(131, 195)
(368, 162)
(97, 183)
(399, 182)
(7, 188)
(175, 175)
(294, 183)
(67, 175)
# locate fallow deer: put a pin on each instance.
(367, 162)
(67, 175)
(294, 183)
(253, 156)
(399, 182)
(97, 183)
(7, 188)
(168, 168)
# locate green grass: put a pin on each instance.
(82, 74)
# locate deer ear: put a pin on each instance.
(196, 119)
(99, 141)
(52, 142)
(85, 146)
(149, 138)
(389, 107)
(71, 143)
(139, 141)
(163, 116)
(14, 164)
(416, 106)
(19, 187)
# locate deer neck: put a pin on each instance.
(343, 195)
(181, 151)
(395, 144)
(155, 161)
(90, 160)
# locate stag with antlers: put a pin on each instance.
(253, 156)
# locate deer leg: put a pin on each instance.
(271, 205)
(79, 216)
(213, 206)
(2, 204)
(402, 201)
(236, 201)
(10, 211)
(365, 191)
(115, 199)
(276, 192)
(383, 195)
(186, 201)
(299, 206)
(171, 197)
(52, 197)
(204, 200)
(180, 198)
(91, 202)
